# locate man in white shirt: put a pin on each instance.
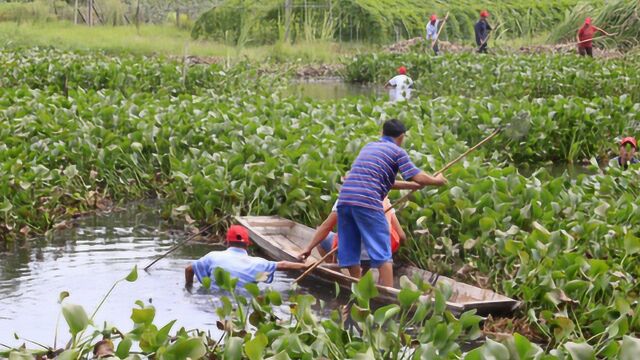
(399, 86)
(432, 32)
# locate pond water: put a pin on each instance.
(332, 89)
(87, 259)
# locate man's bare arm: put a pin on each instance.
(396, 226)
(406, 185)
(188, 275)
(321, 232)
(424, 179)
(288, 265)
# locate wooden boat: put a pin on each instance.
(282, 239)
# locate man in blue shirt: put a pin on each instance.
(237, 262)
(361, 216)
(482, 29)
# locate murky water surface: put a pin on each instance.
(88, 259)
(333, 89)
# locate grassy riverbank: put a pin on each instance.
(165, 40)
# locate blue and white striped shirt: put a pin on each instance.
(373, 173)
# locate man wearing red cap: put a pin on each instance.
(482, 29)
(585, 37)
(628, 147)
(237, 261)
(399, 86)
(432, 32)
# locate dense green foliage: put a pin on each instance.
(213, 141)
(617, 16)
(504, 76)
(379, 21)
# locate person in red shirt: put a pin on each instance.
(585, 37)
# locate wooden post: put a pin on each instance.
(178, 17)
(138, 16)
(287, 19)
(93, 6)
(90, 12)
(75, 13)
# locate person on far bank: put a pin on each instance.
(361, 215)
(399, 86)
(628, 148)
(237, 262)
(432, 32)
(482, 29)
(584, 37)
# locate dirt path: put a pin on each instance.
(417, 44)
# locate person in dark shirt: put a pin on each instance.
(482, 29)
(585, 37)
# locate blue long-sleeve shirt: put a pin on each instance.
(482, 29)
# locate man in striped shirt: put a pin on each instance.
(361, 219)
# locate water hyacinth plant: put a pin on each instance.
(213, 141)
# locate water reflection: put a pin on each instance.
(333, 89)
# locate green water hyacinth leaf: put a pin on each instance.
(385, 313)
(254, 348)
(71, 171)
(206, 282)
(580, 351)
(124, 347)
(192, 348)
(359, 314)
(233, 348)
(144, 315)
(71, 354)
(133, 275)
(407, 297)
(365, 289)
(495, 350)
(487, 224)
(76, 317)
(631, 244)
(252, 288)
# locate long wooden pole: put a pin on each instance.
(450, 164)
(316, 264)
(595, 38)
(177, 246)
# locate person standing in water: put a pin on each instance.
(399, 86)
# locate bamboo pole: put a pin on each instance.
(315, 264)
(450, 164)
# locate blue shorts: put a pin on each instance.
(360, 226)
(327, 243)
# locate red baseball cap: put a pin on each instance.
(629, 140)
(434, 17)
(402, 70)
(238, 234)
(484, 13)
(587, 21)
